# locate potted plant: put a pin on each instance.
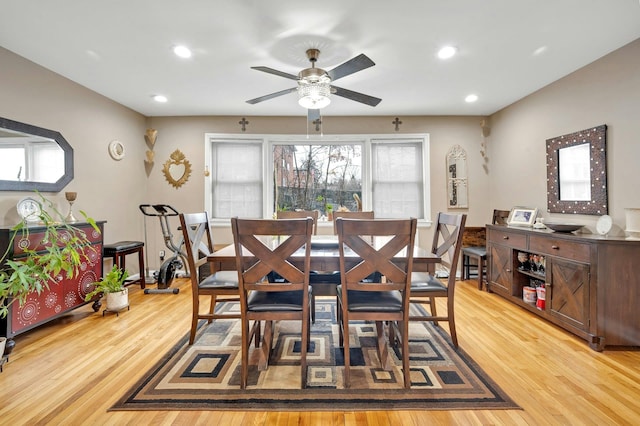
(63, 252)
(329, 212)
(113, 289)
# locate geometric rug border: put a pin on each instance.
(319, 399)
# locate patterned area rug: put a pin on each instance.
(205, 376)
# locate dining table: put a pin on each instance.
(324, 257)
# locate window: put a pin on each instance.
(254, 177)
(237, 178)
(398, 188)
(315, 176)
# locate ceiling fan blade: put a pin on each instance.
(355, 96)
(313, 115)
(276, 72)
(271, 96)
(356, 64)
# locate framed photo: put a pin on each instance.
(522, 216)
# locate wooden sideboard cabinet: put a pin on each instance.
(591, 282)
(64, 294)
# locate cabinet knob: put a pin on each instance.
(506, 237)
(507, 270)
(555, 247)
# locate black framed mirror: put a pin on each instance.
(577, 172)
(33, 158)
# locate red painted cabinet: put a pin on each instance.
(64, 294)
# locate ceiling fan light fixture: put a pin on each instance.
(447, 52)
(314, 95)
(182, 51)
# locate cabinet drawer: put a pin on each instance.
(560, 247)
(512, 239)
(34, 240)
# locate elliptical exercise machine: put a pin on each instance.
(167, 271)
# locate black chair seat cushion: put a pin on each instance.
(373, 301)
(324, 277)
(478, 251)
(316, 277)
(121, 246)
(278, 301)
(220, 280)
(421, 282)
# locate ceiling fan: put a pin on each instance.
(314, 84)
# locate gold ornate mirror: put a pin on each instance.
(177, 169)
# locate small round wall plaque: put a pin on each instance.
(116, 150)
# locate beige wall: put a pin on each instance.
(604, 92)
(187, 134)
(112, 190)
(107, 190)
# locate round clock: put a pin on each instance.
(116, 150)
(604, 224)
(29, 209)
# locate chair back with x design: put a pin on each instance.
(264, 247)
(198, 244)
(425, 288)
(384, 300)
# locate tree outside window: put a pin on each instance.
(317, 177)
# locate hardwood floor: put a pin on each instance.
(72, 370)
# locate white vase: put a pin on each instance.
(117, 301)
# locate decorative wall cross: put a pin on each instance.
(318, 123)
(397, 123)
(243, 123)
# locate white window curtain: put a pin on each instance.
(397, 179)
(237, 179)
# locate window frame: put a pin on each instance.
(269, 140)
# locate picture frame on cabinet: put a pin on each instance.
(522, 216)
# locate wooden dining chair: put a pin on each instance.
(385, 301)
(298, 214)
(315, 276)
(367, 215)
(478, 252)
(351, 215)
(198, 245)
(425, 288)
(332, 278)
(500, 217)
(262, 300)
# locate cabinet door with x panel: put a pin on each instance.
(568, 292)
(500, 269)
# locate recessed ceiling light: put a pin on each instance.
(447, 52)
(471, 98)
(182, 51)
(93, 55)
(540, 50)
(160, 98)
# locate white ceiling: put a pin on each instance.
(123, 49)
